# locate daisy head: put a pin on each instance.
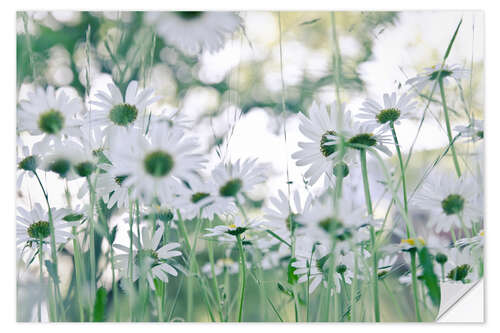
(154, 166)
(432, 74)
(281, 214)
(117, 111)
(195, 31)
(233, 180)
(150, 260)
(319, 152)
(49, 114)
(450, 202)
(472, 132)
(62, 158)
(392, 111)
(237, 227)
(33, 227)
(201, 198)
(360, 136)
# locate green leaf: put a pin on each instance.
(310, 21)
(73, 217)
(100, 305)
(430, 278)
(51, 269)
(285, 290)
(292, 278)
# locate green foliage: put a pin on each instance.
(100, 305)
(430, 278)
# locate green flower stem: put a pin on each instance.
(53, 250)
(368, 200)
(243, 279)
(192, 259)
(182, 229)
(40, 261)
(448, 127)
(215, 284)
(131, 258)
(414, 281)
(78, 273)
(93, 285)
(401, 167)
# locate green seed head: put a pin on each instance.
(235, 231)
(120, 179)
(453, 204)
(158, 163)
(231, 188)
(365, 139)
(341, 170)
(441, 258)
(189, 15)
(51, 121)
(123, 114)
(327, 150)
(341, 269)
(39, 230)
(199, 196)
(28, 164)
(60, 166)
(84, 169)
(330, 223)
(480, 134)
(459, 273)
(343, 235)
(388, 115)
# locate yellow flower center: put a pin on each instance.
(413, 241)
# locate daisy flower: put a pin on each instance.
(237, 227)
(26, 162)
(154, 166)
(361, 134)
(451, 203)
(150, 260)
(193, 32)
(320, 217)
(462, 266)
(314, 265)
(63, 157)
(49, 114)
(385, 265)
(393, 110)
(281, 213)
(235, 179)
(33, 227)
(473, 132)
(318, 152)
(431, 74)
(115, 111)
(110, 188)
(202, 196)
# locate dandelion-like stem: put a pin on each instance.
(243, 279)
(448, 127)
(92, 241)
(40, 261)
(131, 257)
(401, 166)
(215, 284)
(414, 281)
(368, 200)
(53, 249)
